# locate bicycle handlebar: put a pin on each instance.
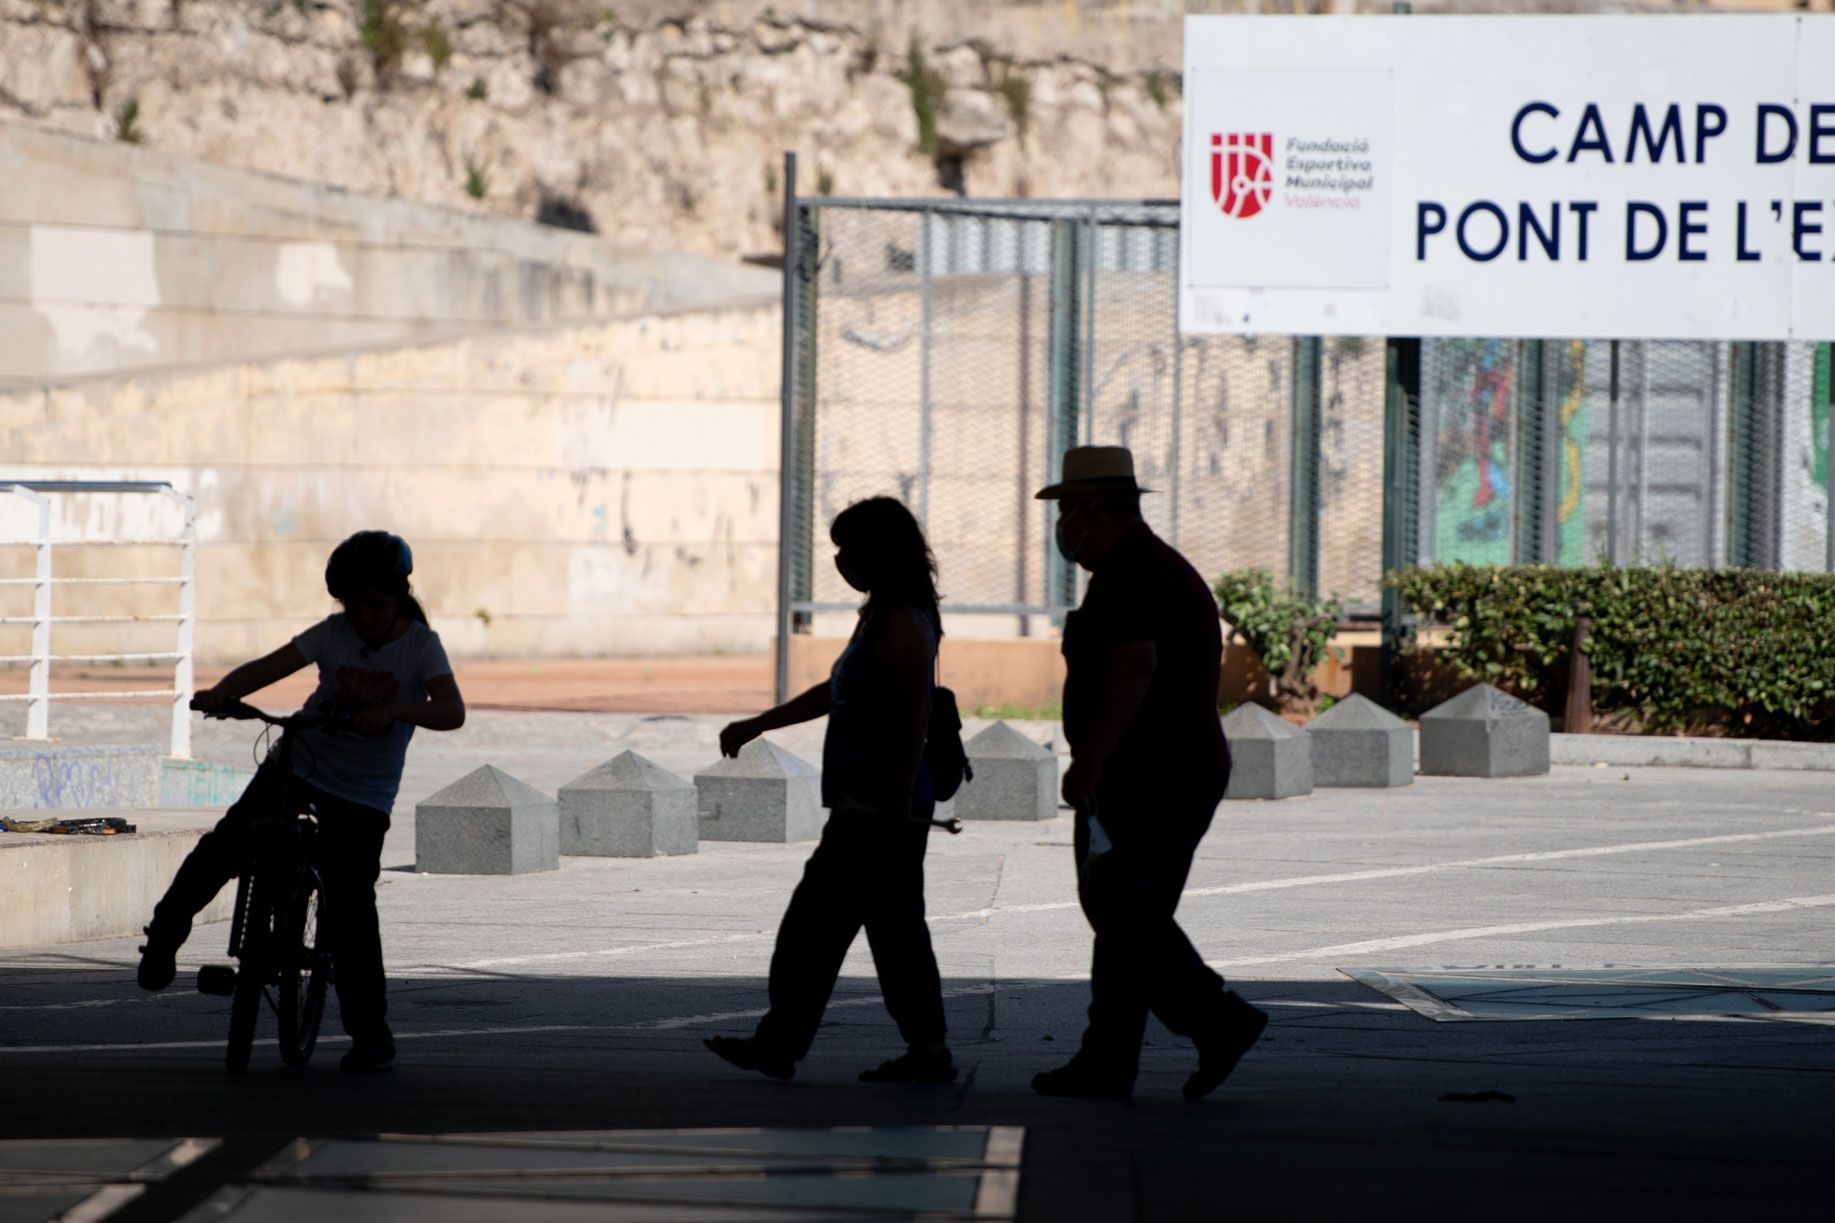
(243, 712)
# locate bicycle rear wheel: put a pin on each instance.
(305, 969)
(251, 974)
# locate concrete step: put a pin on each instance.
(62, 889)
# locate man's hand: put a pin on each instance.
(735, 735)
(1080, 782)
(209, 700)
(375, 720)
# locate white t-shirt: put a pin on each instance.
(365, 769)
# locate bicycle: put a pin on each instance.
(277, 932)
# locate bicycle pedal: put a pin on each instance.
(218, 979)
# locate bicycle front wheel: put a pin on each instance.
(305, 969)
(251, 972)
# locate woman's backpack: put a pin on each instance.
(949, 766)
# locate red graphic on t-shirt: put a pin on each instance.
(360, 688)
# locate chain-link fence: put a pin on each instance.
(948, 352)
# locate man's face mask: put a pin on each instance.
(1070, 541)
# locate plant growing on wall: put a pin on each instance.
(127, 123)
(927, 88)
(1287, 630)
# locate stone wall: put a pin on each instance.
(661, 124)
(604, 488)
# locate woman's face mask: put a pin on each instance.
(852, 573)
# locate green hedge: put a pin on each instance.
(1745, 651)
(1288, 631)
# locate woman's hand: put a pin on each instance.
(375, 720)
(735, 735)
(209, 700)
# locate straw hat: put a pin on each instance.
(1094, 469)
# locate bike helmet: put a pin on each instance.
(369, 560)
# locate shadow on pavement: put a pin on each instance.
(1349, 1100)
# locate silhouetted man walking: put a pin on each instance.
(1148, 767)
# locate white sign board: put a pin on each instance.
(1637, 177)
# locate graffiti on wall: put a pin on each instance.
(1473, 461)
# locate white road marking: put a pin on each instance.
(1402, 941)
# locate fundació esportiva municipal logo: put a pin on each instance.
(1242, 172)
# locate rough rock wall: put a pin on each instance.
(657, 123)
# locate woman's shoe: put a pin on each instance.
(931, 1067)
(748, 1053)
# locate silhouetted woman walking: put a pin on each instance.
(869, 868)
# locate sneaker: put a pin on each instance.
(368, 1059)
(1080, 1080)
(158, 961)
(748, 1053)
(1219, 1052)
(931, 1067)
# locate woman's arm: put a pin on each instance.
(249, 677)
(805, 707)
(444, 708)
(910, 648)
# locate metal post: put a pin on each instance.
(1178, 388)
(1303, 501)
(1612, 462)
(786, 492)
(1023, 513)
(1064, 396)
(1643, 453)
(187, 626)
(923, 261)
(1402, 391)
(38, 707)
(1090, 252)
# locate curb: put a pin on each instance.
(1690, 753)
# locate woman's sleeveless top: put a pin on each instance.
(860, 751)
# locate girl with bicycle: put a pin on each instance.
(381, 667)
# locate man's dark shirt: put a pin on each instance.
(1145, 591)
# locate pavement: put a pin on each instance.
(574, 1003)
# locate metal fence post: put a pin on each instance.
(1065, 395)
(1402, 394)
(787, 451)
(1303, 501)
(1612, 460)
(924, 424)
(1534, 504)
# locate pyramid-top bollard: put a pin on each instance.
(1269, 756)
(1359, 743)
(763, 794)
(629, 807)
(1016, 778)
(1484, 732)
(487, 823)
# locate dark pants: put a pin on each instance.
(868, 871)
(1142, 960)
(349, 859)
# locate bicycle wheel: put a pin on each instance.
(251, 974)
(304, 966)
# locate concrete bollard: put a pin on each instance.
(763, 794)
(487, 823)
(1015, 778)
(1483, 732)
(629, 807)
(1269, 756)
(1359, 743)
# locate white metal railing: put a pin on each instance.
(38, 696)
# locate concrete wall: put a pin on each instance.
(603, 488)
(114, 256)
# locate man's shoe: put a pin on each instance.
(158, 961)
(932, 1068)
(748, 1053)
(1219, 1052)
(1079, 1080)
(368, 1059)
